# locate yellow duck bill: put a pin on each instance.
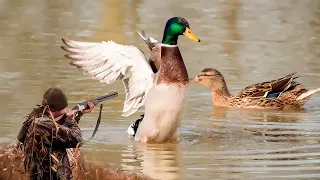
(189, 34)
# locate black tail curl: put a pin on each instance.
(135, 125)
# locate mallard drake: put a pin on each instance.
(162, 93)
(282, 93)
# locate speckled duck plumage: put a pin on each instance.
(282, 93)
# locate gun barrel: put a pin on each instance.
(95, 101)
(103, 98)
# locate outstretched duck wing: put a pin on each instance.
(155, 49)
(150, 41)
(109, 62)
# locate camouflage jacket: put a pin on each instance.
(44, 144)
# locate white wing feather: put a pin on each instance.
(110, 62)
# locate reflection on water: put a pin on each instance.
(249, 41)
(160, 161)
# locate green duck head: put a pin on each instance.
(175, 27)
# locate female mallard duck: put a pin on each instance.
(282, 93)
(162, 93)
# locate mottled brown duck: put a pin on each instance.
(282, 93)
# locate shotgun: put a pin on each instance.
(95, 101)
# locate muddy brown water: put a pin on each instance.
(247, 40)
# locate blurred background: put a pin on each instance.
(248, 41)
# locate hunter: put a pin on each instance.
(46, 133)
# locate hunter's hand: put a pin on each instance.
(91, 106)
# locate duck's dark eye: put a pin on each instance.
(180, 22)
